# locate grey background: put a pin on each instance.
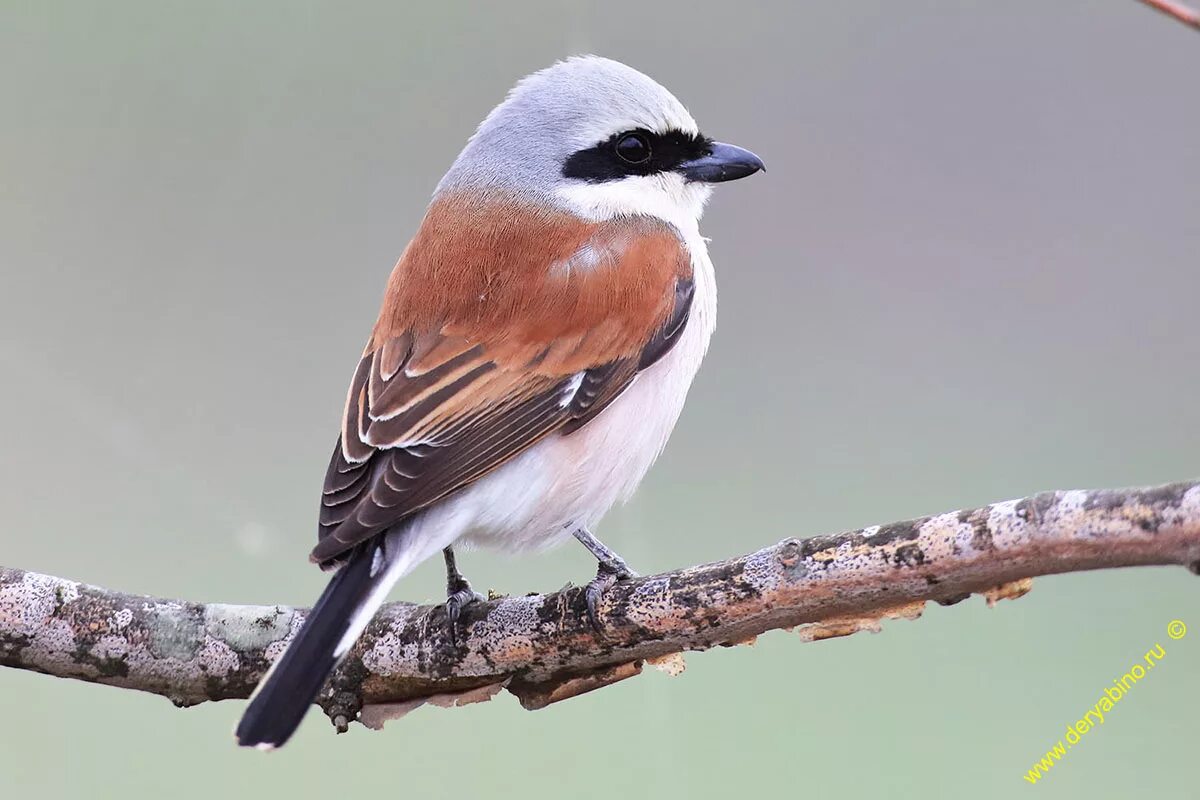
(970, 274)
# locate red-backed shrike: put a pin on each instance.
(536, 343)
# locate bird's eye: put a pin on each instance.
(633, 148)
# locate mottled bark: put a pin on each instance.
(541, 648)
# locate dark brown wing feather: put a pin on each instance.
(361, 499)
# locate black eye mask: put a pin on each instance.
(636, 152)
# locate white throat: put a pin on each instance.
(667, 196)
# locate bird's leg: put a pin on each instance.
(611, 568)
(459, 593)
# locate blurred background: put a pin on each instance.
(971, 273)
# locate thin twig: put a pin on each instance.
(1178, 11)
(541, 647)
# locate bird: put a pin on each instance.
(535, 345)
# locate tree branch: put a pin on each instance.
(541, 648)
(1176, 10)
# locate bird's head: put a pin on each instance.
(599, 139)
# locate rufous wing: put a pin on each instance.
(501, 325)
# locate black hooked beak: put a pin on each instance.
(724, 162)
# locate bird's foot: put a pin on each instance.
(608, 574)
(459, 595)
(612, 569)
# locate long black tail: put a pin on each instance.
(343, 610)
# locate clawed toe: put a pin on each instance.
(607, 576)
(457, 599)
(612, 569)
(460, 599)
(459, 595)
